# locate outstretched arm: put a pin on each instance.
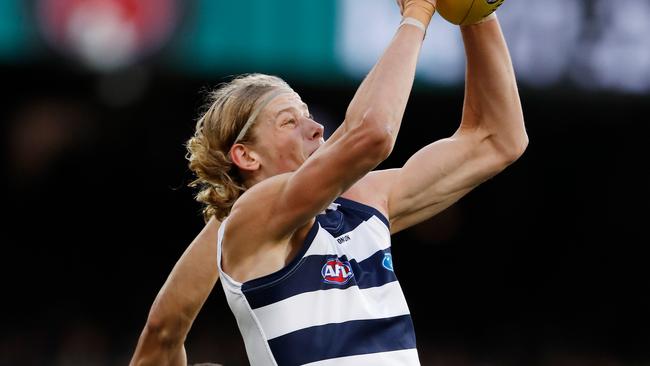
(490, 137)
(178, 303)
(383, 94)
(364, 140)
(492, 103)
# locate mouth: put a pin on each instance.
(316, 149)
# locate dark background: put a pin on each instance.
(545, 264)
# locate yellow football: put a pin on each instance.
(463, 12)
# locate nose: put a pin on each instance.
(316, 130)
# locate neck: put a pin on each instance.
(252, 179)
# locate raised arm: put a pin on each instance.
(492, 104)
(178, 303)
(490, 137)
(382, 96)
(365, 138)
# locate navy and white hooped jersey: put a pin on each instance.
(337, 303)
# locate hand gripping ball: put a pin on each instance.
(465, 12)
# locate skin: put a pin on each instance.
(295, 186)
(295, 174)
(178, 303)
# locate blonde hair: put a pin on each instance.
(226, 113)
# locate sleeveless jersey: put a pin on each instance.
(337, 303)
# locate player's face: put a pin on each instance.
(286, 134)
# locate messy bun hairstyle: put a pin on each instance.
(225, 114)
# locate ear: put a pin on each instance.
(245, 158)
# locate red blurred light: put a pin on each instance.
(107, 34)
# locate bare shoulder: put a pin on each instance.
(250, 247)
(373, 189)
(257, 202)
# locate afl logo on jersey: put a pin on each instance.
(337, 272)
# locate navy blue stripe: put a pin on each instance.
(348, 216)
(341, 221)
(360, 207)
(337, 222)
(275, 277)
(343, 339)
(368, 273)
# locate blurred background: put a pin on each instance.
(545, 264)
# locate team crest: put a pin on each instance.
(337, 272)
(387, 262)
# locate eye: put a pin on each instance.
(289, 121)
